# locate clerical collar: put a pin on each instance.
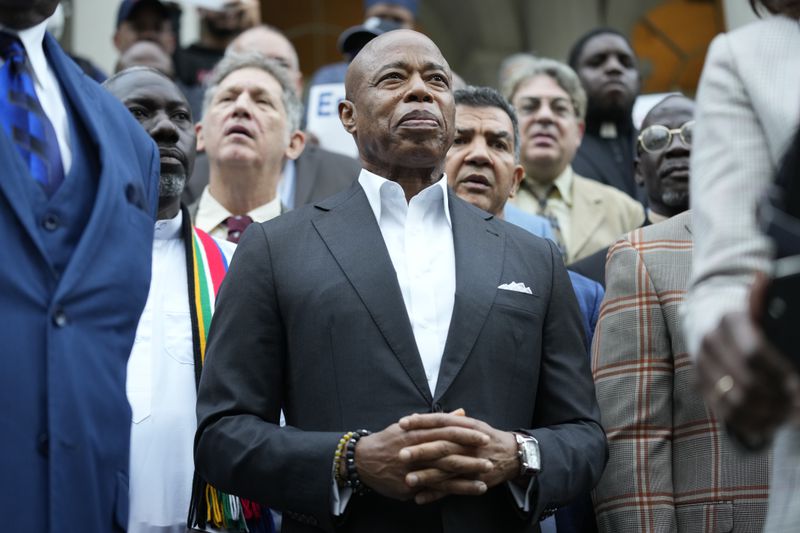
(608, 130)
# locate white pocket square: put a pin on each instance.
(516, 287)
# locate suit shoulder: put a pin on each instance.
(304, 215)
(607, 192)
(750, 34)
(616, 201)
(674, 228)
(502, 227)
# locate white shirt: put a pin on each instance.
(46, 85)
(211, 214)
(287, 185)
(161, 391)
(419, 237)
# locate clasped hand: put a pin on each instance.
(429, 456)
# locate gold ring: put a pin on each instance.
(723, 386)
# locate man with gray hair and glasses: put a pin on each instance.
(251, 120)
(585, 215)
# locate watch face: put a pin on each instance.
(530, 454)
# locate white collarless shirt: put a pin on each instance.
(46, 85)
(161, 391)
(419, 237)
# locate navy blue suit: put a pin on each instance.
(74, 277)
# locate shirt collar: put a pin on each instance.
(211, 213)
(378, 189)
(33, 40)
(169, 228)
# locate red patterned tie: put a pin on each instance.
(236, 226)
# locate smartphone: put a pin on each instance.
(781, 316)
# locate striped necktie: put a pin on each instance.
(547, 212)
(23, 118)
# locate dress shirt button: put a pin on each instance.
(60, 318)
(51, 222)
(43, 444)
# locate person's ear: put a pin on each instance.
(519, 173)
(297, 141)
(201, 144)
(347, 114)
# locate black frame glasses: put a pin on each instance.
(684, 132)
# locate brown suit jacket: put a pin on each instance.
(671, 467)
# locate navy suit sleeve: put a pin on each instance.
(595, 310)
(572, 443)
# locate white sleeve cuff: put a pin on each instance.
(522, 498)
(340, 497)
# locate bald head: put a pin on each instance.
(161, 108)
(663, 153)
(272, 44)
(389, 44)
(146, 54)
(399, 104)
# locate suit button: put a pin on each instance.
(43, 444)
(60, 318)
(437, 408)
(51, 222)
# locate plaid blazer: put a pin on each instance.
(671, 468)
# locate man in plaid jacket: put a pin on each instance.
(671, 467)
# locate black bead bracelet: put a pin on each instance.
(353, 479)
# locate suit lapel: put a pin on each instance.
(74, 90)
(13, 187)
(587, 217)
(479, 265)
(354, 239)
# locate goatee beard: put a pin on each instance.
(171, 185)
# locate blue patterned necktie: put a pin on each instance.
(23, 118)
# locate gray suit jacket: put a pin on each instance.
(748, 108)
(671, 467)
(310, 319)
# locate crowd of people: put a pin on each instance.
(502, 316)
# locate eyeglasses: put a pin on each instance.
(657, 137)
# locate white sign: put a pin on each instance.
(323, 121)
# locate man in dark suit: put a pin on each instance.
(395, 307)
(78, 199)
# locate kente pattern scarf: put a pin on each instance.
(206, 267)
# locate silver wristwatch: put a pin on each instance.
(528, 451)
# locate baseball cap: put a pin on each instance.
(128, 7)
(353, 39)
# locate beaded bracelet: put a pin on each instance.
(353, 479)
(337, 458)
